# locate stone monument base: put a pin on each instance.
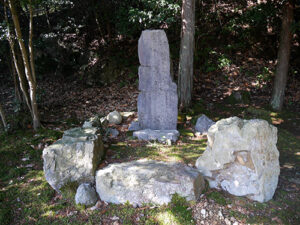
(159, 135)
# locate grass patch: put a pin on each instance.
(217, 197)
(188, 152)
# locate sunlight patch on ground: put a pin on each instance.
(167, 218)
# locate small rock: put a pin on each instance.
(111, 132)
(114, 218)
(126, 115)
(134, 126)
(227, 221)
(203, 212)
(86, 194)
(25, 159)
(72, 213)
(114, 117)
(220, 214)
(29, 165)
(203, 124)
(235, 223)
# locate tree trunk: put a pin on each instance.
(283, 57)
(186, 63)
(30, 47)
(3, 118)
(18, 66)
(16, 83)
(28, 71)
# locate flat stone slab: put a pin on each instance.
(148, 181)
(159, 135)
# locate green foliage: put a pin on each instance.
(217, 197)
(223, 62)
(135, 16)
(180, 210)
(265, 75)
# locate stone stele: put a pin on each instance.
(157, 100)
(241, 158)
(147, 181)
(74, 158)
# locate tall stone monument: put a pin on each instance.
(158, 100)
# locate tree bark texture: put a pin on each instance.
(27, 67)
(30, 46)
(3, 118)
(186, 63)
(283, 57)
(18, 64)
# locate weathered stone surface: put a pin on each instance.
(160, 135)
(74, 158)
(126, 115)
(157, 110)
(203, 124)
(147, 181)
(111, 132)
(86, 194)
(158, 100)
(94, 121)
(134, 126)
(114, 117)
(241, 157)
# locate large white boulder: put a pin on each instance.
(148, 181)
(74, 158)
(241, 157)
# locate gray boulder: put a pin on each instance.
(203, 124)
(160, 135)
(86, 194)
(147, 181)
(74, 158)
(242, 158)
(114, 117)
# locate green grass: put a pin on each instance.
(177, 212)
(188, 152)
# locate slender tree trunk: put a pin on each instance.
(15, 78)
(28, 71)
(186, 63)
(283, 57)
(30, 47)
(3, 118)
(17, 64)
